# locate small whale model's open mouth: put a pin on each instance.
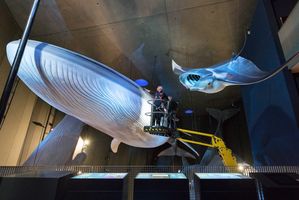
(193, 77)
(190, 80)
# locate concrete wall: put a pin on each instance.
(289, 37)
(35, 133)
(270, 106)
(288, 34)
(8, 31)
(14, 128)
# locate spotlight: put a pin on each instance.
(243, 166)
(141, 82)
(86, 142)
(240, 167)
(188, 111)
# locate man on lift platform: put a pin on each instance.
(159, 106)
(171, 112)
(163, 115)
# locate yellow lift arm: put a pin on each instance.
(229, 160)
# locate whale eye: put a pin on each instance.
(193, 77)
(209, 85)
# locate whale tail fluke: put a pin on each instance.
(179, 148)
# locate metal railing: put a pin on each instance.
(134, 170)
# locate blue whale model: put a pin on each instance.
(236, 71)
(89, 91)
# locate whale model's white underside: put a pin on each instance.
(88, 90)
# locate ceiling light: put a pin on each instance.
(141, 82)
(188, 111)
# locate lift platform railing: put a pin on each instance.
(158, 110)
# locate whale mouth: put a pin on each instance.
(191, 80)
(193, 77)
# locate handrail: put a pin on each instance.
(151, 101)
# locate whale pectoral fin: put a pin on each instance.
(115, 144)
(178, 69)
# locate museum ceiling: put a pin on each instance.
(139, 38)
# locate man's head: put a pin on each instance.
(159, 88)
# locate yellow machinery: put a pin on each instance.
(215, 142)
(229, 160)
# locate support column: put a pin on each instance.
(270, 106)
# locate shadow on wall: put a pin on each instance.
(272, 147)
